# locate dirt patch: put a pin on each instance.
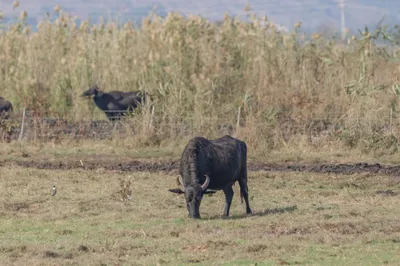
(83, 248)
(330, 168)
(132, 166)
(280, 229)
(346, 228)
(257, 248)
(196, 248)
(167, 166)
(349, 169)
(17, 206)
(51, 254)
(388, 192)
(218, 244)
(55, 128)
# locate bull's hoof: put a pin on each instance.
(249, 214)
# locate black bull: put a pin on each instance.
(208, 165)
(6, 108)
(116, 104)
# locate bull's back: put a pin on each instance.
(226, 161)
(222, 159)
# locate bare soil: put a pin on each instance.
(168, 166)
(54, 128)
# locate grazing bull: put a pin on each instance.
(6, 108)
(208, 165)
(116, 104)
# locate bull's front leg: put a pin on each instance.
(228, 200)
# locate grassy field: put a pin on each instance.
(299, 218)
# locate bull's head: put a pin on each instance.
(193, 196)
(92, 91)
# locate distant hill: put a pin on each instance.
(313, 14)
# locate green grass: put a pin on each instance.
(299, 218)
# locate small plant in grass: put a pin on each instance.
(125, 192)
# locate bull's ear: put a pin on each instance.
(176, 190)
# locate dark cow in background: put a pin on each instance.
(208, 165)
(6, 108)
(116, 104)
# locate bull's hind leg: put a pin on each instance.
(244, 191)
(228, 199)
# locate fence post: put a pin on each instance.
(238, 122)
(22, 126)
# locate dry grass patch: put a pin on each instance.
(123, 151)
(298, 218)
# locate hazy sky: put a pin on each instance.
(286, 12)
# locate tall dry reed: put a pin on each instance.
(272, 89)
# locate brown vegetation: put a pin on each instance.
(275, 89)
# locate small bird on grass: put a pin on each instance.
(53, 190)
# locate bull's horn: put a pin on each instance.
(180, 183)
(206, 183)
